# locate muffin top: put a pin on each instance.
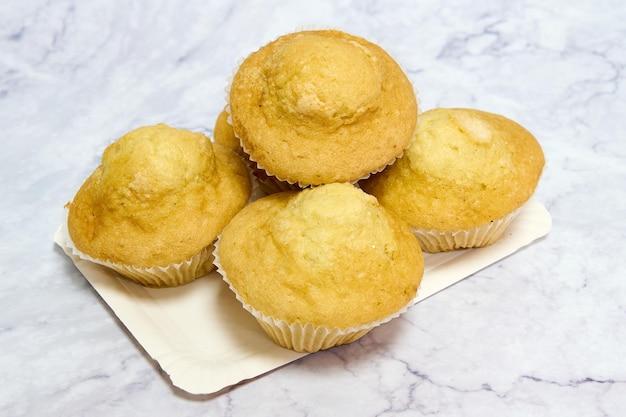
(329, 255)
(464, 168)
(315, 107)
(159, 196)
(224, 135)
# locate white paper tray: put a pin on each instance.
(205, 341)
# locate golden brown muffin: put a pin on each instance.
(325, 258)
(224, 135)
(465, 173)
(316, 107)
(160, 196)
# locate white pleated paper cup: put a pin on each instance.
(269, 184)
(303, 337)
(172, 275)
(434, 241)
(307, 337)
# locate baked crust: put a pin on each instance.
(159, 196)
(464, 169)
(328, 255)
(315, 107)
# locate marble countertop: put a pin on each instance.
(540, 333)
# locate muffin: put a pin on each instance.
(224, 134)
(154, 206)
(322, 106)
(320, 267)
(463, 180)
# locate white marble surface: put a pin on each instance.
(541, 333)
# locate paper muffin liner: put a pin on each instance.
(433, 241)
(157, 276)
(303, 337)
(268, 183)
